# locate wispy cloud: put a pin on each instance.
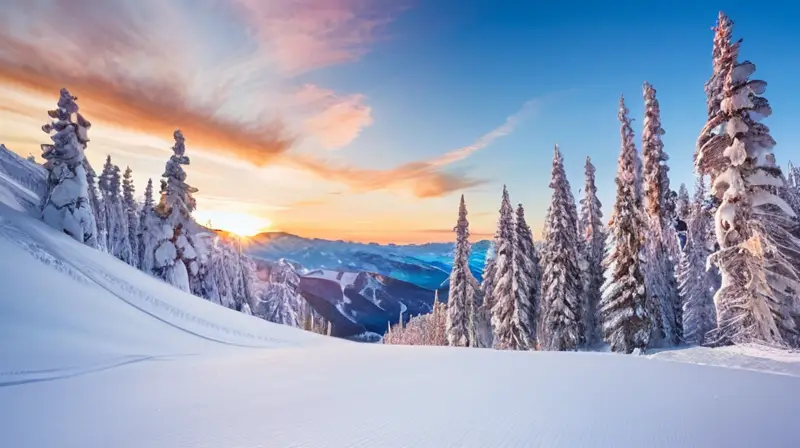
(333, 119)
(427, 178)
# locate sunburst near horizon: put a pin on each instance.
(241, 224)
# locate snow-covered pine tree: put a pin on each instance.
(791, 191)
(66, 206)
(683, 205)
(759, 256)
(593, 236)
(145, 240)
(660, 239)
(513, 315)
(462, 302)
(97, 205)
(507, 333)
(695, 283)
(439, 321)
(488, 275)
(117, 236)
(624, 306)
(131, 209)
(524, 252)
(281, 302)
(562, 293)
(174, 227)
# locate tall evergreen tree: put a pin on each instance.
(527, 269)
(116, 223)
(132, 214)
(593, 237)
(561, 279)
(624, 307)
(696, 284)
(660, 238)
(461, 302)
(513, 315)
(759, 256)
(174, 252)
(146, 242)
(503, 296)
(66, 205)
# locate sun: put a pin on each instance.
(241, 224)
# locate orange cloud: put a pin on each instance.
(335, 120)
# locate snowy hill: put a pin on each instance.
(94, 353)
(425, 265)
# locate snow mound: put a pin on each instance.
(94, 353)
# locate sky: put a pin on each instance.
(366, 120)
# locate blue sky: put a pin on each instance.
(367, 88)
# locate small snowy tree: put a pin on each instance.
(593, 236)
(146, 243)
(462, 302)
(281, 302)
(696, 284)
(97, 205)
(66, 206)
(759, 256)
(791, 191)
(131, 209)
(683, 205)
(624, 306)
(562, 293)
(117, 236)
(173, 226)
(660, 236)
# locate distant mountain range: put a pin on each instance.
(426, 265)
(363, 287)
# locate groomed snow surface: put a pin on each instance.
(94, 353)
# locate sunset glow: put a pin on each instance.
(241, 224)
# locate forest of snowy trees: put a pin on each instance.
(159, 236)
(721, 267)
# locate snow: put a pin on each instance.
(94, 353)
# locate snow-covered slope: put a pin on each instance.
(95, 354)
